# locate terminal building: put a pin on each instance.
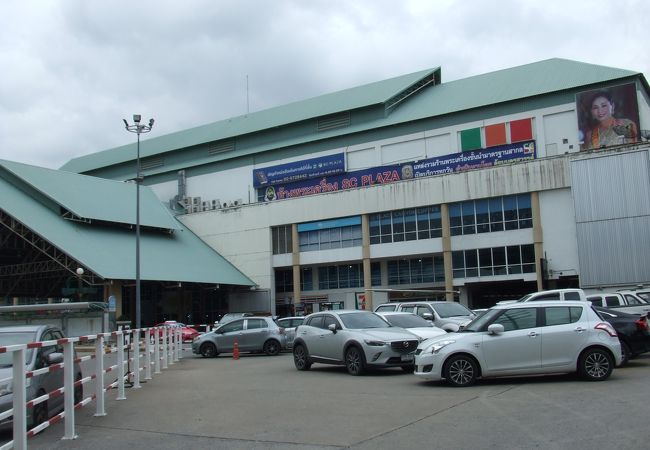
(475, 190)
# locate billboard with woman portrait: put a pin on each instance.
(608, 117)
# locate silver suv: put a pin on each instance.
(356, 339)
(532, 338)
(251, 334)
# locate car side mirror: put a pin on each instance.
(427, 316)
(496, 328)
(332, 328)
(54, 358)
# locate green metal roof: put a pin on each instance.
(91, 198)
(517, 83)
(109, 251)
(359, 97)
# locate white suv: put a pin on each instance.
(523, 339)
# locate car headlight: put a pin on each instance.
(374, 343)
(435, 348)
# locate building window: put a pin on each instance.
(511, 260)
(488, 215)
(405, 225)
(306, 279)
(416, 270)
(340, 277)
(328, 234)
(281, 239)
(284, 280)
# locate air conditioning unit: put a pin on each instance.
(207, 206)
(196, 201)
(196, 209)
(216, 204)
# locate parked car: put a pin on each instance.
(644, 293)
(420, 327)
(633, 331)
(624, 301)
(449, 316)
(353, 338)
(252, 334)
(290, 324)
(187, 333)
(523, 339)
(35, 359)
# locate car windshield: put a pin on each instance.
(479, 323)
(644, 295)
(449, 309)
(407, 321)
(356, 321)
(14, 338)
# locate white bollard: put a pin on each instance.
(135, 339)
(121, 394)
(170, 347)
(99, 378)
(19, 400)
(68, 390)
(156, 350)
(164, 348)
(179, 343)
(147, 353)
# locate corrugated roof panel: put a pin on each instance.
(110, 252)
(95, 198)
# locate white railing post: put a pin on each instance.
(179, 343)
(156, 350)
(121, 394)
(147, 353)
(99, 376)
(68, 389)
(135, 338)
(170, 347)
(20, 400)
(164, 348)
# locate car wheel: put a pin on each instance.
(208, 350)
(460, 371)
(625, 350)
(301, 358)
(271, 347)
(78, 391)
(354, 361)
(408, 369)
(40, 413)
(595, 364)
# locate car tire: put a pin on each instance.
(208, 350)
(40, 413)
(595, 364)
(78, 390)
(355, 361)
(301, 357)
(272, 347)
(460, 371)
(626, 354)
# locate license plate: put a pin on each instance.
(408, 357)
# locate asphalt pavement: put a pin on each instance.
(262, 402)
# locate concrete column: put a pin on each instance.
(295, 261)
(446, 252)
(538, 238)
(365, 251)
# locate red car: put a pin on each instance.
(188, 333)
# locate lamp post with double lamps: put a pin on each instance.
(138, 129)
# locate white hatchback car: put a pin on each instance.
(545, 337)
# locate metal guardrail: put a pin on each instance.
(165, 343)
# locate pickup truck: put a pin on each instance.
(449, 316)
(624, 301)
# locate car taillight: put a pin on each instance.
(607, 328)
(642, 324)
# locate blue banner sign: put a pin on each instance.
(457, 162)
(299, 170)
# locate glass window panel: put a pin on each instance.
(510, 208)
(435, 217)
(398, 222)
(416, 271)
(458, 263)
(496, 214)
(375, 274)
(385, 223)
(374, 226)
(393, 274)
(482, 216)
(439, 268)
(485, 261)
(499, 260)
(455, 212)
(404, 272)
(427, 270)
(323, 281)
(344, 276)
(423, 223)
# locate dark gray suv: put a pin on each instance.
(356, 339)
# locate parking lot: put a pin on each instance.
(262, 402)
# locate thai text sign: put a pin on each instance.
(299, 170)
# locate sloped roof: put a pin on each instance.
(109, 251)
(359, 97)
(91, 198)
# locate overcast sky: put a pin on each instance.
(70, 70)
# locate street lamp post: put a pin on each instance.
(138, 129)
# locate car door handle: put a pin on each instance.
(579, 329)
(532, 334)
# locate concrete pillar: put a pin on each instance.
(365, 251)
(538, 238)
(295, 261)
(446, 252)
